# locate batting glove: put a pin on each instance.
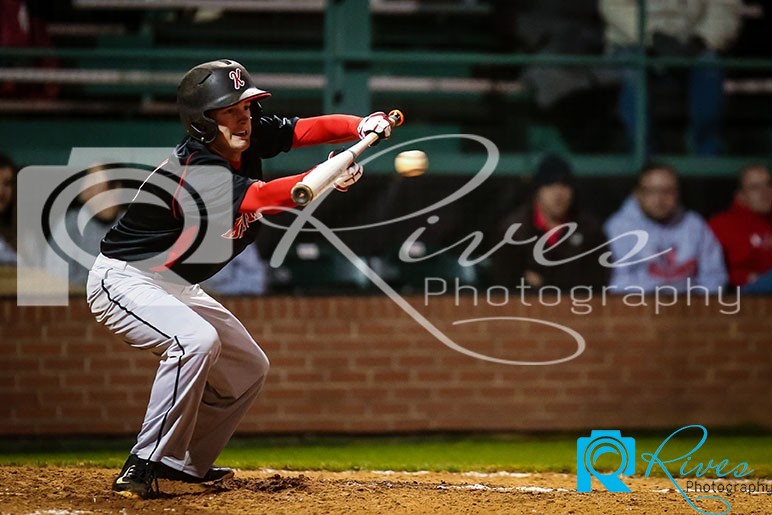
(349, 177)
(378, 123)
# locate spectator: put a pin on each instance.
(85, 243)
(23, 25)
(572, 102)
(246, 274)
(745, 231)
(559, 27)
(654, 207)
(696, 29)
(553, 204)
(7, 211)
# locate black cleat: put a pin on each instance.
(212, 475)
(137, 479)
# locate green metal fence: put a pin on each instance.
(347, 63)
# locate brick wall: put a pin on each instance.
(360, 364)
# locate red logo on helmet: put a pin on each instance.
(236, 76)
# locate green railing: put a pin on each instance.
(348, 60)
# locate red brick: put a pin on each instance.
(371, 362)
(107, 397)
(393, 377)
(499, 393)
(381, 408)
(286, 394)
(127, 379)
(132, 413)
(483, 377)
(292, 377)
(86, 380)
(352, 410)
(373, 328)
(438, 376)
(346, 376)
(34, 412)
(319, 379)
(34, 381)
(417, 361)
(25, 334)
(288, 362)
(542, 392)
(87, 413)
(62, 396)
(41, 348)
(24, 364)
(7, 383)
(455, 393)
(76, 364)
(72, 332)
(85, 348)
(328, 362)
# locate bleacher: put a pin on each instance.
(448, 64)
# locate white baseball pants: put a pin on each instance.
(210, 368)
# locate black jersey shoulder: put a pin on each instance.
(272, 135)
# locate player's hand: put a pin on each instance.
(378, 123)
(349, 177)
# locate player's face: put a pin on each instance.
(235, 129)
(756, 191)
(6, 188)
(555, 200)
(658, 195)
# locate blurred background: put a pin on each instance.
(588, 80)
(580, 94)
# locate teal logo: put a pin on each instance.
(590, 448)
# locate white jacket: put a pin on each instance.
(695, 255)
(715, 21)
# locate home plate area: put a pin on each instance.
(80, 490)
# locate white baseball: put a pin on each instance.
(411, 163)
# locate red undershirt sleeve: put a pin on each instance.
(275, 193)
(331, 128)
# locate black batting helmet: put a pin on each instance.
(212, 85)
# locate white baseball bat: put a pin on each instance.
(322, 177)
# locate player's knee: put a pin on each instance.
(206, 341)
(212, 344)
(262, 365)
(258, 366)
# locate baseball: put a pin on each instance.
(411, 163)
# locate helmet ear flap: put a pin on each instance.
(205, 129)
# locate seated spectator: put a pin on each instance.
(745, 231)
(695, 255)
(559, 27)
(7, 211)
(23, 25)
(85, 242)
(697, 29)
(553, 204)
(247, 274)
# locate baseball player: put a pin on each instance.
(144, 284)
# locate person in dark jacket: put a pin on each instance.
(552, 205)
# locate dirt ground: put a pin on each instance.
(63, 491)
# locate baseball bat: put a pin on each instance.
(322, 177)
